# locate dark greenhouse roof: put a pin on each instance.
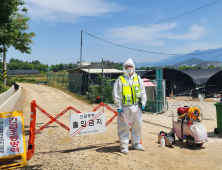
(22, 72)
(198, 76)
(201, 76)
(141, 72)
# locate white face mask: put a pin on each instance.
(130, 71)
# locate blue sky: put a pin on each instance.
(58, 25)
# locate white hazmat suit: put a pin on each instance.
(132, 112)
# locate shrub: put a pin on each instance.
(9, 82)
(94, 92)
(107, 90)
(2, 88)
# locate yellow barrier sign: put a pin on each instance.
(12, 140)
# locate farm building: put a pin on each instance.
(88, 74)
(93, 69)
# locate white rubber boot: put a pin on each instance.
(124, 150)
(138, 146)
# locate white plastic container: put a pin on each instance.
(201, 99)
(162, 140)
(198, 129)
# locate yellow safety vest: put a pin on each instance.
(130, 94)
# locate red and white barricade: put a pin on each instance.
(33, 132)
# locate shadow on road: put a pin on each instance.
(27, 130)
(183, 145)
(38, 167)
(76, 149)
(213, 135)
(109, 149)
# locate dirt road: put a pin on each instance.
(56, 150)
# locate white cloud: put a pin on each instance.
(195, 32)
(149, 36)
(68, 10)
(156, 35)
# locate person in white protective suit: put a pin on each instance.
(128, 93)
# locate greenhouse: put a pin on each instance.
(190, 82)
(21, 72)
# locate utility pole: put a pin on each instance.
(81, 53)
(4, 68)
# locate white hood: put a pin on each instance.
(129, 62)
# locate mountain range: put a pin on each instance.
(191, 58)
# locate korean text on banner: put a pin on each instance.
(87, 123)
(11, 137)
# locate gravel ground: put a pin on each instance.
(20, 102)
(54, 149)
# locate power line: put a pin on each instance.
(214, 57)
(181, 15)
(144, 50)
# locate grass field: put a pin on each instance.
(23, 78)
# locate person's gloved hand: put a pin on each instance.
(143, 107)
(119, 111)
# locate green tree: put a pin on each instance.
(12, 66)
(14, 26)
(196, 67)
(26, 66)
(66, 66)
(168, 67)
(153, 68)
(12, 60)
(182, 67)
(211, 67)
(55, 68)
(1, 64)
(36, 62)
(142, 68)
(40, 67)
(61, 66)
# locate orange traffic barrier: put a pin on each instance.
(31, 143)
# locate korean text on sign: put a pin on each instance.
(96, 124)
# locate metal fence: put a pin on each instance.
(165, 119)
(73, 83)
(58, 80)
(80, 84)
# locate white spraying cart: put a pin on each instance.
(189, 127)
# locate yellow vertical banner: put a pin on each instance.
(12, 140)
